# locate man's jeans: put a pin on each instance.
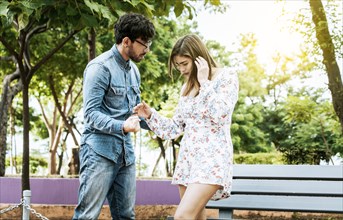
(101, 178)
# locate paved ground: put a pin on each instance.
(160, 213)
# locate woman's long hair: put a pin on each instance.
(191, 46)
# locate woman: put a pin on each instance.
(203, 116)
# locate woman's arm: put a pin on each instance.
(218, 101)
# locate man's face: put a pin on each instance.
(138, 49)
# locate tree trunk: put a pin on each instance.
(53, 149)
(60, 162)
(329, 58)
(4, 105)
(162, 154)
(74, 164)
(25, 179)
(6, 99)
(153, 173)
(60, 156)
(62, 109)
(91, 44)
(175, 155)
(13, 158)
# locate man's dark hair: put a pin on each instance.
(133, 26)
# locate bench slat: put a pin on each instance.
(242, 171)
(294, 188)
(278, 203)
(288, 187)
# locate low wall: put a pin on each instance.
(63, 191)
(56, 198)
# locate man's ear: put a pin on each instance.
(126, 42)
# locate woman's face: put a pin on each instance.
(184, 65)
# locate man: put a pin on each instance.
(110, 91)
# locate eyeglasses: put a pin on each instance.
(146, 45)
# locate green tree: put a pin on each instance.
(296, 118)
(313, 131)
(323, 33)
(22, 21)
(58, 90)
(247, 116)
(329, 56)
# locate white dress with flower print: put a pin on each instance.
(206, 152)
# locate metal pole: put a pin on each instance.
(27, 201)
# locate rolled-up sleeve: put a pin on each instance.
(95, 85)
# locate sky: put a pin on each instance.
(261, 17)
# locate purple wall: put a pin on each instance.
(64, 191)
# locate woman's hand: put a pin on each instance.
(203, 69)
(143, 110)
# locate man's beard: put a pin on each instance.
(136, 58)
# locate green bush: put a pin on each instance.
(35, 163)
(259, 158)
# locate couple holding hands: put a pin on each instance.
(203, 116)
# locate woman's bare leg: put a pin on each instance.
(193, 201)
(182, 190)
(202, 214)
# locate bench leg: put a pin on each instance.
(225, 214)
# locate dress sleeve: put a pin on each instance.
(217, 99)
(167, 128)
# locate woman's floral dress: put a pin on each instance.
(206, 152)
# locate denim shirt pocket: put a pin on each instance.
(116, 97)
(135, 96)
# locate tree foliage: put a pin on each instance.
(22, 21)
(247, 136)
(314, 132)
(323, 33)
(43, 52)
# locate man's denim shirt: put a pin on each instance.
(110, 91)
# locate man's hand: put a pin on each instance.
(132, 124)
